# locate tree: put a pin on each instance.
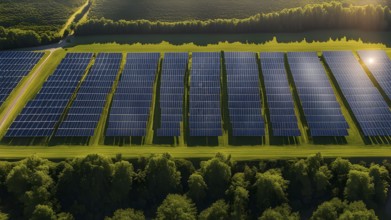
(43, 212)
(282, 212)
(239, 196)
(270, 189)
(359, 186)
(217, 175)
(121, 183)
(84, 184)
(176, 207)
(29, 181)
(161, 177)
(197, 188)
(340, 169)
(336, 209)
(381, 178)
(186, 168)
(127, 214)
(329, 210)
(217, 211)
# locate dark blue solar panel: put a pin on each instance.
(171, 93)
(282, 118)
(130, 109)
(13, 67)
(85, 116)
(379, 64)
(316, 96)
(52, 99)
(369, 108)
(244, 102)
(205, 113)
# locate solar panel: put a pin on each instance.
(14, 66)
(130, 109)
(56, 92)
(205, 113)
(82, 117)
(316, 96)
(368, 106)
(171, 94)
(278, 94)
(379, 64)
(243, 88)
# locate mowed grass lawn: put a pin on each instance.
(238, 152)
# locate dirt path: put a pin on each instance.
(11, 106)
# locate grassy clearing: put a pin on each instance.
(175, 10)
(238, 153)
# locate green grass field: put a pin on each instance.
(176, 10)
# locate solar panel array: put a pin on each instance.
(13, 67)
(171, 93)
(85, 112)
(131, 105)
(39, 117)
(244, 101)
(365, 101)
(279, 97)
(321, 109)
(205, 112)
(379, 64)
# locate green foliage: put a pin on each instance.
(282, 212)
(311, 176)
(217, 174)
(270, 189)
(217, 211)
(239, 196)
(127, 214)
(121, 183)
(359, 186)
(381, 179)
(340, 169)
(29, 181)
(311, 17)
(197, 188)
(176, 207)
(179, 10)
(38, 15)
(43, 212)
(162, 177)
(336, 209)
(93, 187)
(84, 184)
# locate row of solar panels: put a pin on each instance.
(130, 110)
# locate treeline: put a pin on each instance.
(162, 187)
(311, 17)
(16, 38)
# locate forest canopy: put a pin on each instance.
(163, 187)
(311, 17)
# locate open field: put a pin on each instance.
(238, 153)
(178, 10)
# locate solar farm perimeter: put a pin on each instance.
(265, 104)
